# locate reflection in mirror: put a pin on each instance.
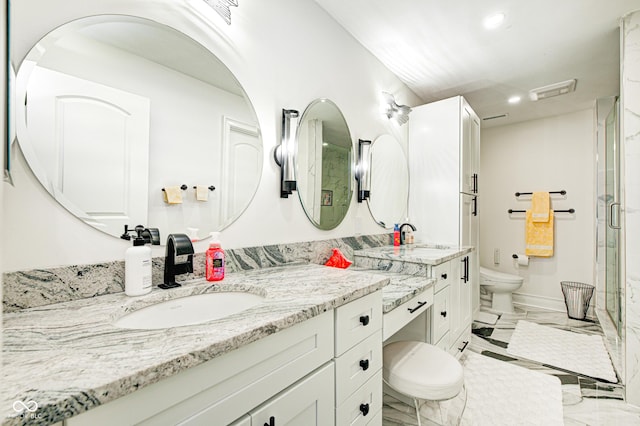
(389, 182)
(324, 164)
(9, 118)
(120, 107)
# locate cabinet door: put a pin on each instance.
(454, 299)
(469, 149)
(307, 403)
(465, 293)
(469, 223)
(460, 297)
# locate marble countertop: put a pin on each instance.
(401, 288)
(68, 357)
(414, 253)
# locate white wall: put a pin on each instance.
(285, 53)
(541, 155)
(630, 106)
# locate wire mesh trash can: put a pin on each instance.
(577, 297)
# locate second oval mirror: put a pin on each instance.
(324, 164)
(389, 182)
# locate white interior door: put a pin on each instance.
(241, 170)
(95, 140)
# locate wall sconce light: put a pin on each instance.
(363, 170)
(400, 113)
(284, 154)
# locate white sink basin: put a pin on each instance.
(189, 310)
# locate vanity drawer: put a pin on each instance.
(405, 313)
(440, 315)
(357, 365)
(367, 399)
(357, 320)
(442, 274)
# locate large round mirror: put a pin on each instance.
(324, 164)
(389, 182)
(114, 110)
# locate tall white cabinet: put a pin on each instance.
(444, 195)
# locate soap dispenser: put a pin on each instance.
(214, 263)
(137, 263)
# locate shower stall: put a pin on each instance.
(610, 288)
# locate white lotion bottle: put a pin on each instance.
(137, 268)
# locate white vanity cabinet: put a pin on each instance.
(324, 371)
(222, 390)
(451, 314)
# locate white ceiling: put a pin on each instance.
(440, 48)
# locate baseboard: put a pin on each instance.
(543, 302)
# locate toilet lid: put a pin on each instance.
(422, 370)
(491, 275)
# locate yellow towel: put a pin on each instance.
(172, 195)
(540, 206)
(202, 193)
(539, 236)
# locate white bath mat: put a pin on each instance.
(499, 393)
(486, 318)
(580, 353)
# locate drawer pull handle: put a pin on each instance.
(364, 320)
(272, 421)
(364, 409)
(444, 276)
(443, 313)
(364, 364)
(420, 305)
(463, 346)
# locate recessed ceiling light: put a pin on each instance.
(514, 99)
(494, 21)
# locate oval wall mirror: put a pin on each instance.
(324, 164)
(113, 109)
(389, 182)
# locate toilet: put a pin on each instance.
(500, 286)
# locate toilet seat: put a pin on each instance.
(488, 276)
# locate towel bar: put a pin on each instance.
(183, 187)
(210, 187)
(556, 211)
(563, 192)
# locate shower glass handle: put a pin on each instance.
(612, 209)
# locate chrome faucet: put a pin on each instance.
(177, 245)
(402, 232)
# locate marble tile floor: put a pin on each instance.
(586, 401)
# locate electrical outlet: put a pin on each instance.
(496, 256)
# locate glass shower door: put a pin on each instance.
(612, 228)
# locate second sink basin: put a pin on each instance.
(189, 310)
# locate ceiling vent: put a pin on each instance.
(495, 117)
(552, 90)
